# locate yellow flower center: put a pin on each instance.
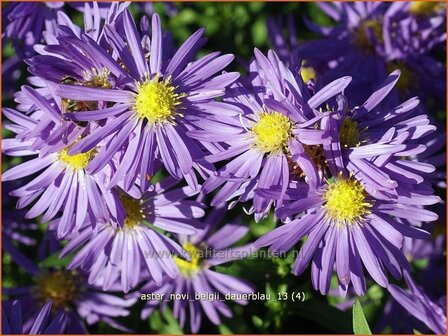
(77, 161)
(189, 268)
(157, 101)
(307, 73)
(349, 133)
(60, 286)
(272, 132)
(407, 78)
(134, 213)
(362, 39)
(424, 8)
(346, 201)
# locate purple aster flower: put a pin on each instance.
(14, 224)
(347, 227)
(420, 306)
(272, 135)
(427, 299)
(69, 292)
(416, 27)
(395, 318)
(161, 93)
(433, 277)
(59, 59)
(113, 253)
(24, 23)
(377, 144)
(207, 248)
(285, 46)
(103, 7)
(12, 320)
(435, 155)
(11, 73)
(370, 40)
(148, 8)
(63, 184)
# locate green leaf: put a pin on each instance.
(263, 226)
(421, 263)
(375, 292)
(360, 325)
(225, 330)
(172, 326)
(166, 324)
(54, 261)
(257, 321)
(259, 32)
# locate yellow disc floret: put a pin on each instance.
(60, 286)
(307, 73)
(425, 8)
(349, 133)
(272, 132)
(77, 161)
(157, 101)
(346, 201)
(189, 268)
(134, 213)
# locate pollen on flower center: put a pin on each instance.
(424, 8)
(157, 101)
(272, 132)
(189, 268)
(349, 133)
(133, 208)
(61, 286)
(77, 161)
(346, 201)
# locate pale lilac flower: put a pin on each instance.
(207, 248)
(12, 320)
(377, 143)
(68, 291)
(161, 91)
(420, 306)
(272, 136)
(111, 253)
(347, 227)
(63, 184)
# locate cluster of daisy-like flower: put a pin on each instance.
(134, 150)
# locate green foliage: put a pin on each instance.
(8, 50)
(263, 226)
(360, 325)
(54, 261)
(224, 330)
(284, 265)
(164, 322)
